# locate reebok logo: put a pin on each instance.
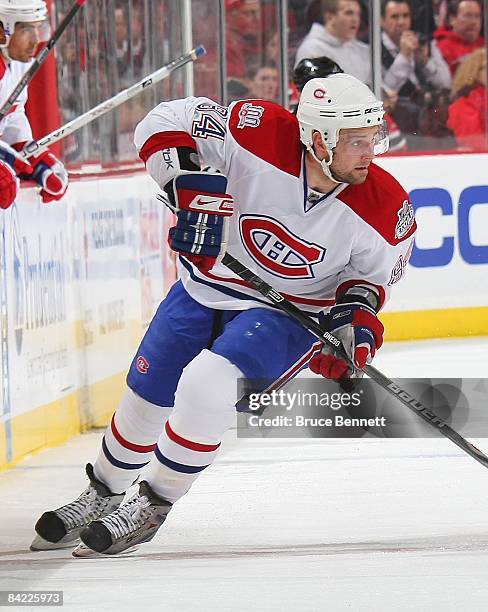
(167, 158)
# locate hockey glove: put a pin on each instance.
(50, 174)
(11, 164)
(202, 208)
(354, 322)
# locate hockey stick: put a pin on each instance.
(38, 146)
(40, 59)
(326, 337)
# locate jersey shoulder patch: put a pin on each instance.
(383, 204)
(268, 131)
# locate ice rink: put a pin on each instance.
(275, 524)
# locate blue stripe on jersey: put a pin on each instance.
(120, 464)
(178, 467)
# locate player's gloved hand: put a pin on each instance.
(354, 322)
(11, 164)
(203, 209)
(49, 173)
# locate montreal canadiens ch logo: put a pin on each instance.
(142, 364)
(277, 250)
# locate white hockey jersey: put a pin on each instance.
(15, 126)
(306, 246)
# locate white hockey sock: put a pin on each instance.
(204, 409)
(129, 441)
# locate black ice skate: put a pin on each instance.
(134, 522)
(61, 528)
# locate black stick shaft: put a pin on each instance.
(326, 337)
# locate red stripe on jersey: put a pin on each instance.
(137, 448)
(292, 298)
(343, 287)
(378, 202)
(165, 140)
(3, 66)
(275, 137)
(203, 448)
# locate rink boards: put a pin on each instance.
(79, 282)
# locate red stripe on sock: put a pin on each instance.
(137, 448)
(204, 448)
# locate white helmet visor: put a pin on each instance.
(359, 145)
(40, 29)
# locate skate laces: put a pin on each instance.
(129, 517)
(87, 507)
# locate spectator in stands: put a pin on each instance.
(462, 33)
(138, 40)
(243, 23)
(411, 63)
(337, 39)
(409, 59)
(122, 50)
(263, 82)
(467, 114)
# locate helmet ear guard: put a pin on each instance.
(339, 101)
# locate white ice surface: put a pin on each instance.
(282, 525)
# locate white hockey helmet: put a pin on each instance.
(337, 102)
(15, 11)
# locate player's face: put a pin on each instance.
(353, 154)
(24, 41)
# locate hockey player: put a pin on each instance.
(300, 201)
(22, 24)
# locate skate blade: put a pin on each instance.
(40, 544)
(83, 552)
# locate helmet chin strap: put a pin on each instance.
(325, 165)
(5, 53)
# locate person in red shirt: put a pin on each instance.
(467, 114)
(462, 33)
(243, 22)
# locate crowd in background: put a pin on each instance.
(433, 58)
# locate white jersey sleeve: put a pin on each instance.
(196, 125)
